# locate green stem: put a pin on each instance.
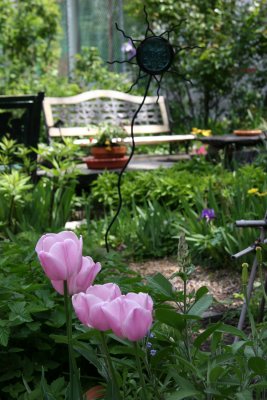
(52, 201)
(152, 378)
(141, 375)
(251, 319)
(262, 282)
(112, 375)
(11, 210)
(73, 370)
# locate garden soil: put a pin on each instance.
(223, 284)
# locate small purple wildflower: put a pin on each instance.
(208, 214)
(151, 335)
(153, 352)
(149, 345)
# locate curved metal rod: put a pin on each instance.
(173, 28)
(126, 164)
(148, 29)
(124, 34)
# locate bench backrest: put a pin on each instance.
(78, 113)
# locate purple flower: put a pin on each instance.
(153, 352)
(149, 345)
(208, 214)
(128, 49)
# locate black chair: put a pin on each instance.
(22, 117)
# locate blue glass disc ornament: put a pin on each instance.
(154, 55)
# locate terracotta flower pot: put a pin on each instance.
(107, 157)
(247, 132)
(108, 152)
(96, 392)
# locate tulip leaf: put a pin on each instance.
(171, 318)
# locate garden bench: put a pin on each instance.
(78, 117)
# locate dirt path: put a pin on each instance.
(222, 284)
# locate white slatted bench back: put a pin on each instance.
(79, 112)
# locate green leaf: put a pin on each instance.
(161, 285)
(184, 394)
(47, 395)
(170, 318)
(258, 365)
(232, 330)
(204, 335)
(4, 335)
(59, 338)
(201, 292)
(201, 305)
(244, 395)
(215, 373)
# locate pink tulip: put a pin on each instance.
(81, 281)
(89, 306)
(130, 316)
(60, 254)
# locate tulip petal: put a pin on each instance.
(98, 317)
(45, 242)
(113, 311)
(143, 299)
(106, 292)
(137, 324)
(53, 266)
(58, 286)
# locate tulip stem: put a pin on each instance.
(73, 370)
(141, 375)
(112, 375)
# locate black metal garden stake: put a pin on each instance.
(262, 225)
(154, 56)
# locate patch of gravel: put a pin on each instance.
(223, 284)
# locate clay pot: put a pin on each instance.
(108, 152)
(107, 157)
(248, 132)
(96, 392)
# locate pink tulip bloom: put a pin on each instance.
(130, 316)
(60, 254)
(89, 306)
(81, 281)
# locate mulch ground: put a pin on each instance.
(223, 284)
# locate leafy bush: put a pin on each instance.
(158, 205)
(24, 60)
(43, 205)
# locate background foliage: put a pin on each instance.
(227, 72)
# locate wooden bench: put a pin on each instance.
(78, 116)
